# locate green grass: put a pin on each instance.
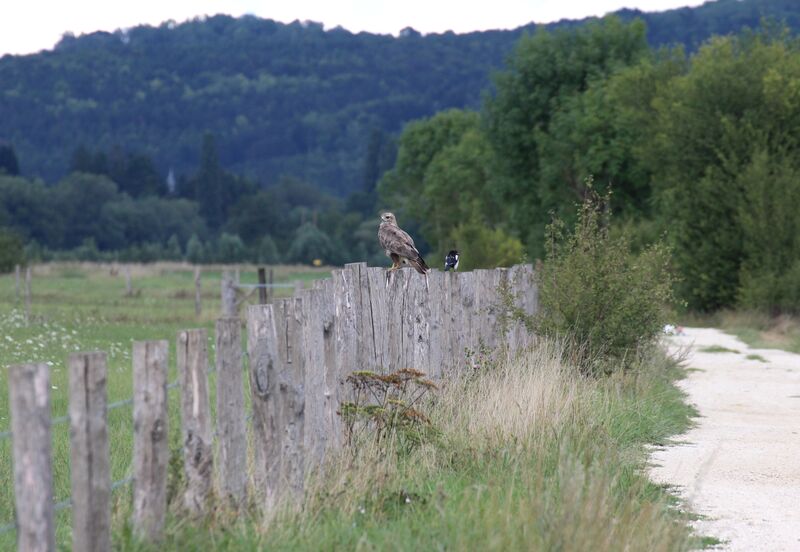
(528, 455)
(83, 307)
(756, 357)
(718, 349)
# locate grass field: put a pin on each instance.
(83, 307)
(527, 455)
(756, 329)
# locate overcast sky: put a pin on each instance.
(31, 25)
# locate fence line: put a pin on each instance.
(300, 351)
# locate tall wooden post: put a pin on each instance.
(231, 430)
(89, 453)
(29, 401)
(27, 295)
(198, 292)
(195, 417)
(262, 290)
(16, 283)
(150, 450)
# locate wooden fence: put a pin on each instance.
(299, 351)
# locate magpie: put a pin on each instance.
(451, 261)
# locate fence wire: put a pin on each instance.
(67, 502)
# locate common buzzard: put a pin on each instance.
(399, 246)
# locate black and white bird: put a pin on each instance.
(451, 261)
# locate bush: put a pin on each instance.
(482, 247)
(11, 251)
(268, 251)
(606, 302)
(195, 252)
(230, 249)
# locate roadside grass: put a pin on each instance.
(718, 349)
(757, 357)
(83, 307)
(758, 330)
(528, 455)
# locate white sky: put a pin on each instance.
(31, 25)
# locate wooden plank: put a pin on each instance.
(298, 287)
(192, 360)
(367, 352)
(465, 335)
(456, 322)
(315, 435)
(228, 295)
(262, 348)
(29, 402)
(128, 283)
(262, 281)
(198, 292)
(231, 426)
(16, 283)
(291, 399)
(376, 303)
(89, 452)
(150, 450)
(438, 323)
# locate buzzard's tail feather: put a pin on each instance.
(419, 265)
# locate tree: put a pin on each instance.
(309, 244)
(737, 104)
(11, 251)
(546, 74)
(195, 252)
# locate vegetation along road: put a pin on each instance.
(738, 467)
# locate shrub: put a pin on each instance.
(606, 302)
(268, 251)
(11, 251)
(195, 252)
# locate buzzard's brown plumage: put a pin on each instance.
(399, 246)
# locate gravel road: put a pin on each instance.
(739, 467)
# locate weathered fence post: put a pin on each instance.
(231, 428)
(298, 287)
(270, 290)
(128, 283)
(196, 418)
(89, 453)
(198, 292)
(27, 295)
(228, 294)
(150, 450)
(291, 398)
(262, 348)
(29, 401)
(262, 286)
(16, 282)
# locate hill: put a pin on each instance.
(320, 105)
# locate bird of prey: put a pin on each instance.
(399, 246)
(451, 261)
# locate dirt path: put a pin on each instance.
(739, 467)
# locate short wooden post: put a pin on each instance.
(198, 292)
(270, 292)
(128, 283)
(16, 282)
(231, 430)
(27, 295)
(262, 348)
(192, 357)
(150, 450)
(228, 294)
(89, 453)
(29, 401)
(262, 286)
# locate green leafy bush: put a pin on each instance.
(11, 251)
(606, 302)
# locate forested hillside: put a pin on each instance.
(292, 100)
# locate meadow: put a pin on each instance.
(524, 452)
